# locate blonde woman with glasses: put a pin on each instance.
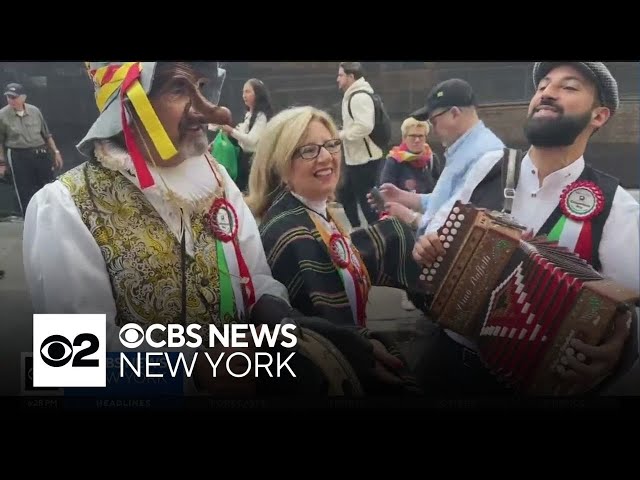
(328, 273)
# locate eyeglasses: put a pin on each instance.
(312, 150)
(433, 117)
(416, 137)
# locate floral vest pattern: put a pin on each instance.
(142, 256)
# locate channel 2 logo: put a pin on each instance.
(69, 350)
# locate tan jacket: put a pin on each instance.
(355, 131)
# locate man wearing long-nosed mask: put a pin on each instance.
(151, 229)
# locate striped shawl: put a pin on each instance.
(299, 259)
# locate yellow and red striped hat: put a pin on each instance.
(117, 84)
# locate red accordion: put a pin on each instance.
(523, 300)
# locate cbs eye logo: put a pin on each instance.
(69, 350)
(57, 350)
(131, 335)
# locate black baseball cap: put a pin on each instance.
(454, 92)
(14, 90)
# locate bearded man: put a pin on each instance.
(572, 101)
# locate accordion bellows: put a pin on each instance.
(523, 300)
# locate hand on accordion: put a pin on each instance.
(588, 365)
(427, 249)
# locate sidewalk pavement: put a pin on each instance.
(16, 314)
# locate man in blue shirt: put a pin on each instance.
(450, 108)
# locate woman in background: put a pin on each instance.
(410, 166)
(247, 133)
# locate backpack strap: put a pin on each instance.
(351, 96)
(374, 115)
(511, 162)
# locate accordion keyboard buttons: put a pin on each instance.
(439, 259)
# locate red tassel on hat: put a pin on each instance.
(142, 170)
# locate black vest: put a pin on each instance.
(490, 194)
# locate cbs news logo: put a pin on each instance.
(69, 350)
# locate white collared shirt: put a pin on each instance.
(533, 204)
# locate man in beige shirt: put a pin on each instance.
(362, 157)
(29, 145)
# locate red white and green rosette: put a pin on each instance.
(580, 203)
(339, 250)
(223, 223)
(223, 220)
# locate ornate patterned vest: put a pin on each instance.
(142, 256)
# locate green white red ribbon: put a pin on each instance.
(580, 202)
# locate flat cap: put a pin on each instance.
(595, 71)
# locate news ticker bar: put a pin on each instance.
(395, 404)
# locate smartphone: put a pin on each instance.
(377, 198)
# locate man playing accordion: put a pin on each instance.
(550, 185)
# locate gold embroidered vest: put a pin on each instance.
(142, 255)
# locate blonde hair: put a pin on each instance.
(411, 123)
(275, 150)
